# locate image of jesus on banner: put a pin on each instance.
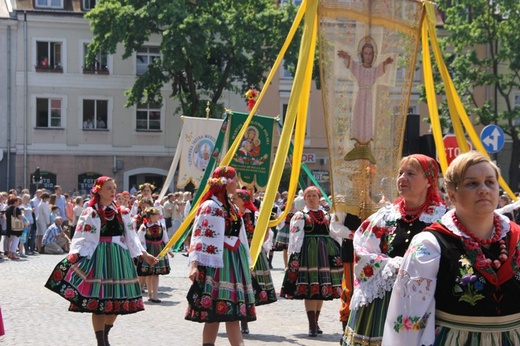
(367, 76)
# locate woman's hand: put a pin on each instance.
(151, 260)
(194, 272)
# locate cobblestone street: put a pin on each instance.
(33, 315)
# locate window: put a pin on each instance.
(48, 112)
(99, 67)
(49, 56)
(49, 3)
(145, 57)
(516, 121)
(148, 117)
(89, 5)
(95, 114)
(286, 74)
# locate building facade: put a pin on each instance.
(69, 119)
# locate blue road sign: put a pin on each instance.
(492, 138)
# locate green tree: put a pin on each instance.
(206, 46)
(483, 42)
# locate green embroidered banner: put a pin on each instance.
(252, 160)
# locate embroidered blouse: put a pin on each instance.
(152, 232)
(88, 232)
(300, 223)
(439, 273)
(378, 244)
(209, 235)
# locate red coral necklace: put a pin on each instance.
(405, 212)
(317, 217)
(473, 240)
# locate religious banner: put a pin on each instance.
(252, 160)
(368, 52)
(198, 137)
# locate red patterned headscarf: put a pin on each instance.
(220, 178)
(246, 197)
(94, 192)
(431, 171)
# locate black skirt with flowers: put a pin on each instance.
(105, 283)
(316, 271)
(223, 294)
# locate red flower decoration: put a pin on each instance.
(378, 231)
(108, 306)
(205, 223)
(368, 270)
(315, 289)
(88, 228)
(210, 249)
(198, 247)
(57, 275)
(222, 308)
(263, 296)
(209, 233)
(92, 305)
(69, 293)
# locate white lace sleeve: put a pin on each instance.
(132, 239)
(337, 228)
(88, 230)
(297, 233)
(410, 318)
(370, 262)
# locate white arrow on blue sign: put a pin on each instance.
(492, 138)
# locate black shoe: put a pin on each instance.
(185, 254)
(313, 333)
(318, 330)
(244, 330)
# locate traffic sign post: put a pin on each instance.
(452, 148)
(492, 138)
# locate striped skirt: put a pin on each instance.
(104, 284)
(281, 241)
(315, 272)
(366, 324)
(477, 330)
(264, 292)
(226, 294)
(161, 268)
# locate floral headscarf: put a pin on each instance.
(220, 178)
(245, 196)
(431, 171)
(94, 192)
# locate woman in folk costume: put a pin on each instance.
(98, 275)
(153, 237)
(315, 270)
(382, 240)
(459, 282)
(219, 259)
(264, 291)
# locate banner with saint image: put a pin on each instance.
(368, 52)
(252, 160)
(198, 137)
